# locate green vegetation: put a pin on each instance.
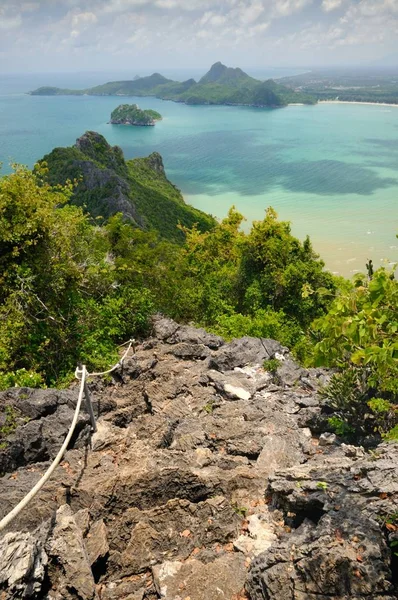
(322, 485)
(9, 424)
(73, 286)
(130, 114)
(358, 335)
(221, 85)
(359, 85)
(271, 365)
(107, 184)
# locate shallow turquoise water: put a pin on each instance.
(330, 169)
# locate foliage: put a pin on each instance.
(221, 85)
(131, 114)
(271, 365)
(348, 85)
(107, 184)
(9, 424)
(322, 485)
(60, 299)
(251, 284)
(72, 287)
(20, 378)
(359, 336)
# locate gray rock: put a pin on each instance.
(353, 451)
(218, 580)
(290, 373)
(22, 565)
(176, 475)
(188, 351)
(97, 542)
(327, 439)
(341, 539)
(66, 548)
(245, 351)
(172, 333)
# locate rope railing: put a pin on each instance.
(82, 374)
(118, 364)
(19, 507)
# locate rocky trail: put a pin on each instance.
(209, 478)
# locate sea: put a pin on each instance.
(330, 169)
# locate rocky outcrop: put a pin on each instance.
(337, 505)
(107, 184)
(203, 481)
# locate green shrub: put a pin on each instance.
(20, 378)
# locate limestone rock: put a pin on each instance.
(217, 580)
(97, 542)
(335, 505)
(67, 549)
(22, 565)
(245, 351)
(327, 439)
(202, 462)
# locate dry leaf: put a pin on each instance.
(186, 533)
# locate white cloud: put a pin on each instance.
(238, 32)
(10, 22)
(28, 7)
(213, 19)
(83, 19)
(286, 8)
(118, 6)
(250, 13)
(329, 5)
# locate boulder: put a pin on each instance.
(245, 351)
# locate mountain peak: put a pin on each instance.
(219, 73)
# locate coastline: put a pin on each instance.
(356, 102)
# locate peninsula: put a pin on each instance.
(131, 114)
(221, 85)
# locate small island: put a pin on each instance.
(131, 114)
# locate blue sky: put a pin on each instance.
(78, 35)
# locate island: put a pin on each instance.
(131, 114)
(221, 85)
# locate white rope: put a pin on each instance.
(81, 374)
(118, 364)
(11, 515)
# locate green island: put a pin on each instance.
(221, 85)
(131, 114)
(92, 246)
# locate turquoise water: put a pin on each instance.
(332, 170)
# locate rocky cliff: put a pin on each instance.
(204, 481)
(107, 184)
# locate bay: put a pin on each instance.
(331, 169)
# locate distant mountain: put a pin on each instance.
(108, 184)
(221, 85)
(219, 73)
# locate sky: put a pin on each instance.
(95, 35)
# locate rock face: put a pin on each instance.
(338, 548)
(202, 482)
(107, 184)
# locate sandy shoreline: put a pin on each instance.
(354, 102)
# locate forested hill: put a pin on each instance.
(221, 85)
(138, 188)
(348, 85)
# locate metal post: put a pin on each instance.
(88, 403)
